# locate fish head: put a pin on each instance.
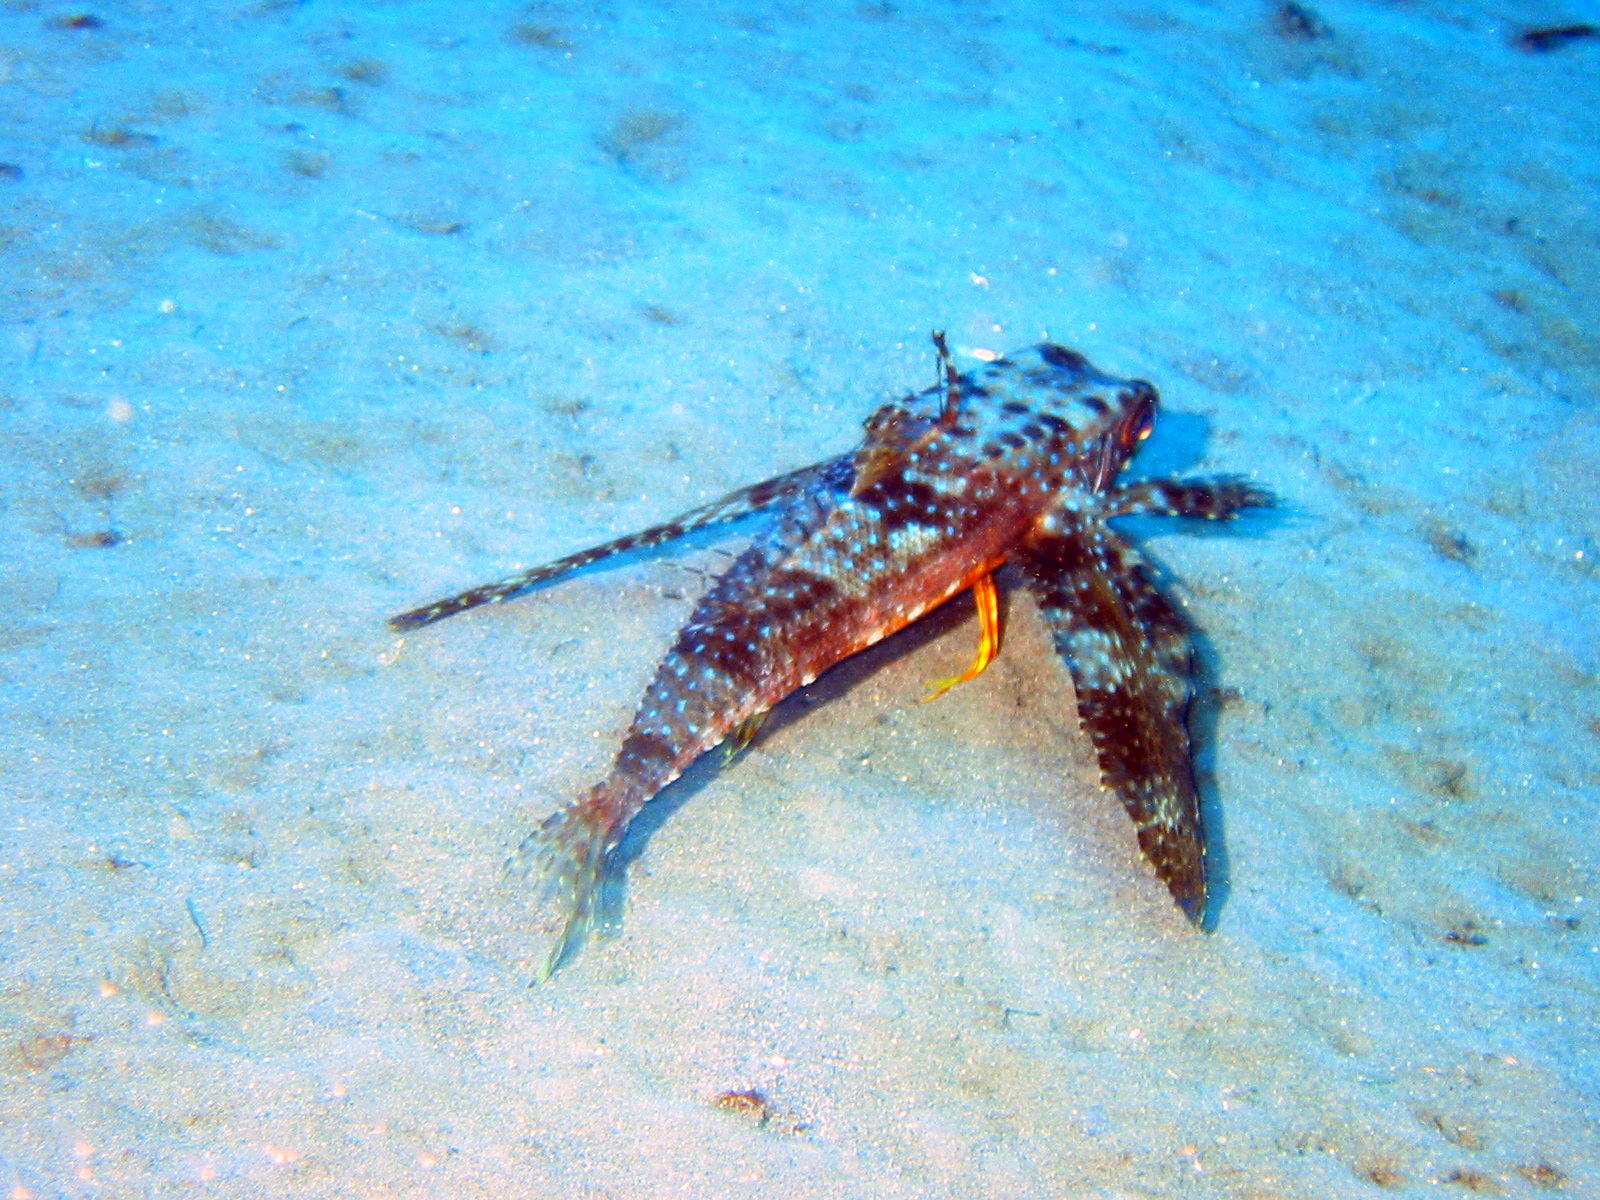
(1099, 419)
(1135, 411)
(1044, 414)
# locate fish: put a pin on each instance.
(1014, 461)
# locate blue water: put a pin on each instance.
(316, 311)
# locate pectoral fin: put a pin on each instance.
(742, 503)
(1131, 660)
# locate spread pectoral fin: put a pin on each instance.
(1215, 498)
(1128, 650)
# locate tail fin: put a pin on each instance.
(567, 853)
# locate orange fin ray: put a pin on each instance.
(987, 598)
(743, 734)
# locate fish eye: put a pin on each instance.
(1138, 424)
(1147, 424)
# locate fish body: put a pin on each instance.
(1015, 460)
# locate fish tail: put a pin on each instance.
(568, 854)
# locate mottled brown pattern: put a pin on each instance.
(1131, 662)
(1017, 459)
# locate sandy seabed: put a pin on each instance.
(315, 311)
